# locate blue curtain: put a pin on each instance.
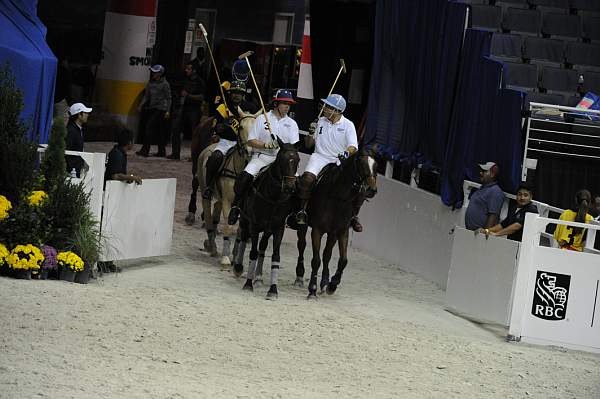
(23, 45)
(415, 68)
(486, 122)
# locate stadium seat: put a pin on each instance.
(561, 80)
(507, 46)
(545, 98)
(476, 2)
(550, 50)
(591, 28)
(486, 17)
(561, 4)
(586, 5)
(521, 76)
(521, 20)
(573, 100)
(591, 82)
(583, 54)
(512, 3)
(562, 25)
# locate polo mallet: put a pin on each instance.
(205, 34)
(342, 69)
(245, 57)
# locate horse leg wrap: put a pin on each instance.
(239, 258)
(259, 265)
(226, 245)
(251, 269)
(274, 273)
(212, 235)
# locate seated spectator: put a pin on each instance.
(595, 208)
(116, 163)
(512, 225)
(573, 238)
(486, 203)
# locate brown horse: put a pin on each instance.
(329, 212)
(234, 164)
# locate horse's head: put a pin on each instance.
(367, 171)
(286, 165)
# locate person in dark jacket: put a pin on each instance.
(78, 116)
(156, 103)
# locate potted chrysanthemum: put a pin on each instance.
(23, 259)
(5, 206)
(49, 264)
(3, 262)
(69, 263)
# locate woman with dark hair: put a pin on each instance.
(573, 238)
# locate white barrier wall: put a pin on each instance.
(482, 273)
(556, 292)
(409, 227)
(137, 220)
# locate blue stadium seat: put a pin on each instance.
(545, 98)
(561, 80)
(585, 5)
(486, 17)
(562, 4)
(591, 28)
(521, 76)
(521, 20)
(507, 46)
(561, 25)
(550, 50)
(583, 54)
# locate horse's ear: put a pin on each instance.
(281, 143)
(257, 114)
(241, 112)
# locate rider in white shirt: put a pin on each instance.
(264, 145)
(335, 139)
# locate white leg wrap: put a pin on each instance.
(274, 273)
(251, 270)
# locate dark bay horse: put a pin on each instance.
(329, 212)
(265, 210)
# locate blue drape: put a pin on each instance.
(415, 67)
(23, 45)
(486, 122)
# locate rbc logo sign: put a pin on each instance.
(550, 295)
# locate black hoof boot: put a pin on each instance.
(312, 292)
(301, 218)
(331, 289)
(238, 269)
(248, 286)
(234, 214)
(272, 293)
(324, 284)
(299, 282)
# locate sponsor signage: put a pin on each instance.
(550, 296)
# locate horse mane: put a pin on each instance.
(329, 180)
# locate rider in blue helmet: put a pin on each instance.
(334, 138)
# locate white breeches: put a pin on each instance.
(258, 162)
(224, 145)
(317, 162)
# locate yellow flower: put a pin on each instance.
(37, 197)
(70, 260)
(5, 206)
(25, 257)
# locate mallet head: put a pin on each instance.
(245, 55)
(203, 30)
(343, 65)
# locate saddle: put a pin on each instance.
(227, 172)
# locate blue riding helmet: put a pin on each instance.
(284, 95)
(335, 101)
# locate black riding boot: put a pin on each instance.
(356, 204)
(213, 164)
(241, 188)
(304, 189)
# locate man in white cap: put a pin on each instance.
(78, 116)
(334, 139)
(486, 203)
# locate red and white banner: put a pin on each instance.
(305, 83)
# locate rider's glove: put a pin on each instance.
(342, 156)
(312, 128)
(272, 145)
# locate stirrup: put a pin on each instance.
(355, 224)
(234, 214)
(301, 217)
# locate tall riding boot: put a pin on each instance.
(241, 188)
(356, 204)
(304, 189)
(213, 164)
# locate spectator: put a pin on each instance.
(512, 225)
(190, 109)
(78, 116)
(486, 203)
(573, 238)
(199, 64)
(116, 163)
(595, 208)
(156, 103)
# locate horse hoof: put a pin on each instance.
(272, 293)
(299, 282)
(331, 289)
(258, 281)
(311, 296)
(190, 219)
(248, 286)
(238, 269)
(225, 261)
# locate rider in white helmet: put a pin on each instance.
(334, 139)
(265, 146)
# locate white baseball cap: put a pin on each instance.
(489, 165)
(78, 108)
